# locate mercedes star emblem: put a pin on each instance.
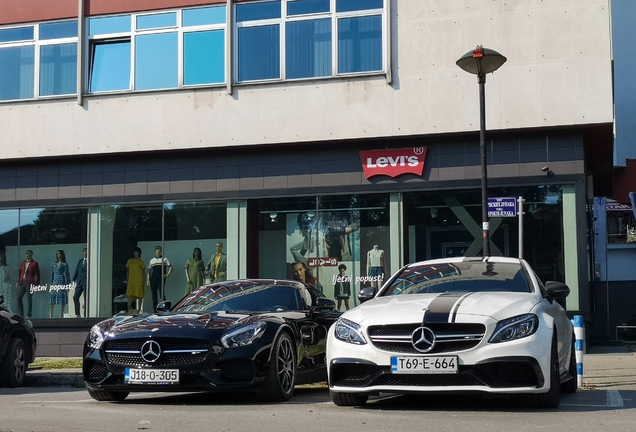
(423, 339)
(150, 351)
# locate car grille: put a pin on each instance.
(449, 337)
(174, 351)
(94, 372)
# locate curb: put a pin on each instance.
(56, 378)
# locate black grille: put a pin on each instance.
(133, 358)
(427, 380)
(450, 337)
(166, 359)
(96, 371)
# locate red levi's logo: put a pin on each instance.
(393, 162)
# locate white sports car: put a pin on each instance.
(455, 325)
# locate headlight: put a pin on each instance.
(515, 328)
(98, 333)
(243, 335)
(350, 332)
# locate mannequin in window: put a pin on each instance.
(60, 283)
(342, 287)
(194, 269)
(159, 268)
(80, 279)
(29, 275)
(135, 281)
(217, 265)
(375, 266)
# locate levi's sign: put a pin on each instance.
(393, 162)
(502, 207)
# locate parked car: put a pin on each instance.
(17, 347)
(258, 335)
(455, 325)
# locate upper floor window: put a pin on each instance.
(295, 39)
(38, 60)
(157, 50)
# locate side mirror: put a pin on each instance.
(557, 289)
(366, 294)
(164, 306)
(325, 303)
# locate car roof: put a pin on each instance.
(493, 259)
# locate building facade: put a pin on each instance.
(253, 124)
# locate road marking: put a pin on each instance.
(614, 398)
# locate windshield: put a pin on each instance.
(241, 297)
(472, 276)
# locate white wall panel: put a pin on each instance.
(558, 73)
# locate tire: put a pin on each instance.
(571, 385)
(14, 365)
(107, 395)
(552, 398)
(348, 399)
(281, 373)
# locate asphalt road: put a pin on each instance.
(607, 402)
(71, 409)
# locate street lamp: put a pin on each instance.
(481, 61)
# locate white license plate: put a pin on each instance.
(151, 376)
(424, 365)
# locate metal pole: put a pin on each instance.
(481, 79)
(520, 214)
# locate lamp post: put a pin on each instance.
(480, 62)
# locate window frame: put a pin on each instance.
(131, 36)
(282, 23)
(37, 44)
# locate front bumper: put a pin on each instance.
(220, 369)
(520, 366)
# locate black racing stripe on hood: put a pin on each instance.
(439, 309)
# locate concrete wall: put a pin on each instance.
(558, 73)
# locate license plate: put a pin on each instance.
(151, 376)
(424, 365)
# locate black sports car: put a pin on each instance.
(262, 335)
(17, 347)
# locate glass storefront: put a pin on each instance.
(339, 243)
(52, 238)
(342, 241)
(448, 223)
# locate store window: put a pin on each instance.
(448, 223)
(51, 242)
(171, 49)
(140, 243)
(9, 256)
(333, 239)
(304, 31)
(52, 46)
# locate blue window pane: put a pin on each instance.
(204, 57)
(259, 53)
(355, 5)
(257, 11)
(360, 44)
(156, 63)
(107, 25)
(58, 69)
(156, 21)
(301, 7)
(203, 16)
(308, 48)
(58, 30)
(16, 70)
(16, 34)
(110, 67)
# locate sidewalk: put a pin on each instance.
(610, 367)
(604, 368)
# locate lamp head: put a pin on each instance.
(481, 61)
(545, 169)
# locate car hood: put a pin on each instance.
(443, 307)
(165, 321)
